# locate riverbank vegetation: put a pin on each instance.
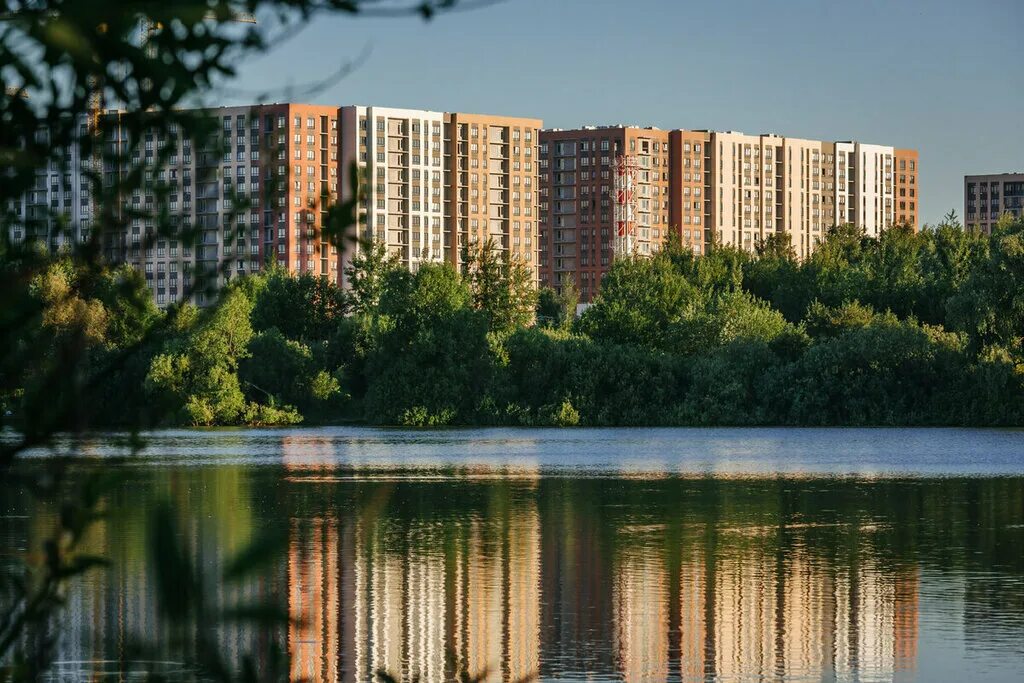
(905, 329)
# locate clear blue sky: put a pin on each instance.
(943, 76)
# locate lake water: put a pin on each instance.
(600, 555)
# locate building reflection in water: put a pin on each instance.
(409, 597)
(413, 599)
(501, 577)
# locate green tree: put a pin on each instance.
(990, 306)
(368, 274)
(776, 276)
(887, 373)
(502, 286)
(950, 255)
(640, 301)
(557, 310)
(304, 307)
(196, 376)
(430, 362)
(727, 317)
(284, 372)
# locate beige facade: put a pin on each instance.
(907, 185)
(493, 184)
(988, 197)
(435, 181)
(689, 204)
(708, 187)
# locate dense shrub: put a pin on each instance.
(906, 328)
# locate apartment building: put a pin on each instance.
(255, 193)
(60, 198)
(763, 184)
(305, 143)
(580, 232)
(988, 197)
(400, 154)
(707, 187)
(864, 176)
(437, 181)
(906, 177)
(689, 206)
(494, 184)
(562, 202)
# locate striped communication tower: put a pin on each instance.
(625, 205)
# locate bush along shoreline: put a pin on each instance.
(905, 329)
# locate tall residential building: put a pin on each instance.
(60, 190)
(494, 187)
(255, 191)
(689, 206)
(906, 187)
(764, 184)
(707, 187)
(304, 143)
(580, 185)
(401, 156)
(868, 176)
(435, 182)
(988, 197)
(562, 202)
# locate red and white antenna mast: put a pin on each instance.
(625, 205)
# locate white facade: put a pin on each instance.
(864, 185)
(400, 153)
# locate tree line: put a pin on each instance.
(907, 328)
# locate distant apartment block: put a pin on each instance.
(258, 192)
(579, 224)
(613, 189)
(563, 202)
(435, 182)
(280, 160)
(988, 197)
(59, 189)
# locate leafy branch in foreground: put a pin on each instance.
(78, 332)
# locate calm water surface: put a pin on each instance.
(636, 555)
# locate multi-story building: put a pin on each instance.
(708, 188)
(401, 156)
(688, 172)
(906, 186)
(494, 184)
(868, 181)
(763, 184)
(562, 202)
(255, 193)
(435, 182)
(581, 184)
(988, 197)
(58, 208)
